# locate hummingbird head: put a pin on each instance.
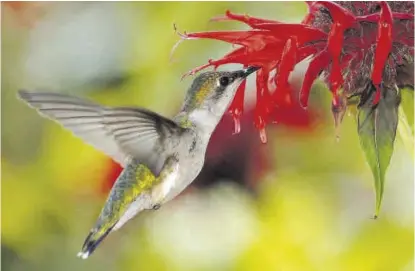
(214, 91)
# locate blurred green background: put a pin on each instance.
(311, 211)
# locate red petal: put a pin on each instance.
(196, 70)
(257, 58)
(261, 108)
(306, 51)
(236, 56)
(375, 17)
(384, 46)
(339, 13)
(402, 16)
(334, 46)
(317, 64)
(255, 39)
(336, 81)
(342, 19)
(263, 93)
(304, 33)
(251, 21)
(310, 15)
(237, 106)
(282, 94)
(263, 58)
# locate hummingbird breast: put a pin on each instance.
(191, 157)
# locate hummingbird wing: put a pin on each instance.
(120, 132)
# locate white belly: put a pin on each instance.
(140, 203)
(167, 184)
(187, 175)
(180, 176)
(147, 200)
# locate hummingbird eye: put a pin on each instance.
(224, 81)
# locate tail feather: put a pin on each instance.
(94, 238)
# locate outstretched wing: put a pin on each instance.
(120, 132)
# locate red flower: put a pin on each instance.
(113, 171)
(355, 45)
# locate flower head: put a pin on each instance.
(363, 50)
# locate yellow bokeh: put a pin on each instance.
(311, 211)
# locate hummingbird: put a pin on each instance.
(160, 156)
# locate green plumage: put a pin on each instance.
(124, 193)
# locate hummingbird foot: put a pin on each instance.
(156, 206)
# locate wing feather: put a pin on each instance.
(120, 132)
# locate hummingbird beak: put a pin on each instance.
(249, 70)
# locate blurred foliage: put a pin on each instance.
(406, 120)
(312, 211)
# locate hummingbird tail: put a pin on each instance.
(92, 241)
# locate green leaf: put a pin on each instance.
(377, 129)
